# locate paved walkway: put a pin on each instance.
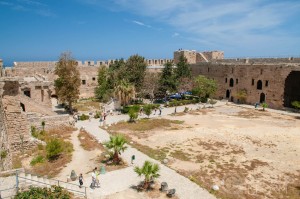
(123, 179)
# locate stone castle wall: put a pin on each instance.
(16, 120)
(194, 57)
(50, 121)
(6, 162)
(233, 78)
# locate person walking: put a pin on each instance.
(93, 184)
(80, 180)
(160, 110)
(155, 110)
(97, 173)
(132, 158)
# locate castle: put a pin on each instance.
(26, 89)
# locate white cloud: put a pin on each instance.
(175, 34)
(141, 23)
(235, 24)
(30, 6)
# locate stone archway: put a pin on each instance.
(227, 94)
(262, 98)
(291, 88)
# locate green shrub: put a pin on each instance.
(97, 115)
(147, 110)
(38, 192)
(40, 147)
(133, 115)
(126, 109)
(296, 104)
(37, 159)
(84, 117)
(34, 131)
(186, 109)
(3, 154)
(54, 148)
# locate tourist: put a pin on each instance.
(80, 180)
(160, 108)
(155, 110)
(132, 158)
(93, 184)
(97, 177)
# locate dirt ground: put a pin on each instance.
(248, 153)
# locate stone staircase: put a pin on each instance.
(26, 180)
(206, 60)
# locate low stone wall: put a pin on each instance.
(50, 121)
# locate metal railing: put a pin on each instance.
(56, 182)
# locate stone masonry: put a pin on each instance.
(15, 119)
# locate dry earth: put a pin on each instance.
(248, 153)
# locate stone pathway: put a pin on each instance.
(123, 179)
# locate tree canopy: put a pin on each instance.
(204, 87)
(68, 82)
(102, 91)
(167, 79)
(183, 69)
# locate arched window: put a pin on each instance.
(259, 85)
(231, 82)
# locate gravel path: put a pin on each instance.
(123, 179)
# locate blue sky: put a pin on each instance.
(108, 29)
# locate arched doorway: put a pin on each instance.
(22, 106)
(227, 94)
(259, 85)
(231, 82)
(262, 98)
(291, 88)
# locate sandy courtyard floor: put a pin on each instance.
(248, 153)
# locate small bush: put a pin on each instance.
(147, 110)
(3, 154)
(186, 109)
(133, 115)
(39, 192)
(97, 115)
(34, 131)
(54, 148)
(84, 117)
(40, 147)
(37, 159)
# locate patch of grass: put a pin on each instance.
(157, 154)
(37, 159)
(144, 125)
(41, 166)
(88, 142)
(16, 161)
(180, 155)
(87, 105)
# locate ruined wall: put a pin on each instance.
(5, 154)
(16, 121)
(1, 68)
(233, 78)
(50, 121)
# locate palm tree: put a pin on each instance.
(125, 91)
(149, 170)
(117, 144)
(264, 105)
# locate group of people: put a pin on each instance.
(95, 179)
